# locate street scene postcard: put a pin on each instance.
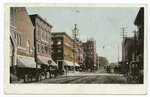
(75, 48)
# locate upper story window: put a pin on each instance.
(42, 49)
(13, 16)
(38, 47)
(45, 34)
(42, 31)
(19, 40)
(59, 54)
(51, 42)
(46, 49)
(59, 43)
(52, 54)
(49, 51)
(49, 36)
(38, 30)
(28, 46)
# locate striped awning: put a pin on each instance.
(44, 60)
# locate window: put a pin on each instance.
(59, 43)
(42, 49)
(59, 54)
(19, 40)
(13, 16)
(49, 51)
(38, 29)
(28, 46)
(46, 49)
(49, 36)
(51, 42)
(38, 47)
(42, 31)
(52, 54)
(45, 34)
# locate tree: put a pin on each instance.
(103, 62)
(113, 65)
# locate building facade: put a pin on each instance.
(64, 51)
(21, 41)
(75, 35)
(127, 49)
(42, 43)
(139, 22)
(90, 53)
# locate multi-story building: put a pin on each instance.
(42, 42)
(127, 49)
(22, 41)
(64, 51)
(90, 53)
(139, 22)
(81, 58)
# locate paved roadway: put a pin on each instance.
(98, 77)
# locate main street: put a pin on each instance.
(98, 77)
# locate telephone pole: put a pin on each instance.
(123, 33)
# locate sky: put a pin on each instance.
(103, 24)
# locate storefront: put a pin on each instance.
(26, 66)
(67, 65)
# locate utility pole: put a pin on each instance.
(134, 44)
(123, 35)
(118, 54)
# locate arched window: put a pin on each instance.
(28, 46)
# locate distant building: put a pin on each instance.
(90, 53)
(81, 58)
(127, 49)
(139, 22)
(97, 60)
(21, 41)
(42, 43)
(64, 51)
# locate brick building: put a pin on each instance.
(64, 51)
(127, 49)
(42, 43)
(139, 22)
(90, 53)
(21, 41)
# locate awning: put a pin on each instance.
(44, 60)
(69, 63)
(76, 64)
(26, 62)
